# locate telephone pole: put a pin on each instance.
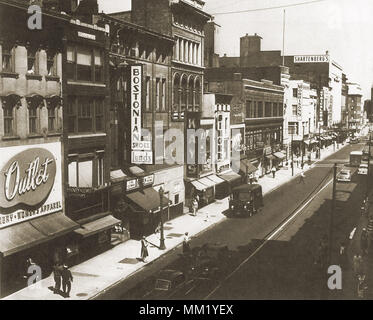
(367, 190)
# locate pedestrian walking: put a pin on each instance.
(158, 231)
(186, 247)
(195, 206)
(361, 286)
(364, 241)
(144, 249)
(67, 278)
(57, 276)
(273, 172)
(301, 178)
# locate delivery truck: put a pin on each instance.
(355, 158)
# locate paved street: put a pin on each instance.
(282, 267)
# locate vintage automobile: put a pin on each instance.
(344, 175)
(246, 199)
(363, 169)
(166, 284)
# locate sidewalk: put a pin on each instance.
(105, 270)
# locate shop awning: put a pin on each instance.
(147, 199)
(230, 176)
(96, 226)
(307, 141)
(321, 138)
(207, 182)
(54, 225)
(136, 171)
(117, 176)
(279, 155)
(271, 157)
(247, 166)
(313, 141)
(198, 185)
(26, 235)
(214, 178)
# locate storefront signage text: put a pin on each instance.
(30, 182)
(140, 150)
(86, 35)
(312, 59)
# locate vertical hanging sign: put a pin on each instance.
(140, 150)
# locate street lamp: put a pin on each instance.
(162, 245)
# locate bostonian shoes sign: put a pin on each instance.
(30, 182)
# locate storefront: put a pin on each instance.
(31, 226)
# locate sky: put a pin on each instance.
(342, 27)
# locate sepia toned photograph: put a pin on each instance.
(186, 150)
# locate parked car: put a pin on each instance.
(354, 140)
(166, 284)
(344, 175)
(363, 169)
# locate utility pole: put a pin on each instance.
(332, 213)
(367, 190)
(292, 154)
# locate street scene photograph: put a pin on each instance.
(186, 150)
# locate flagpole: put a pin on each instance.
(283, 40)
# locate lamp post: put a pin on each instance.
(162, 245)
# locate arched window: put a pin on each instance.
(197, 102)
(190, 93)
(9, 105)
(176, 87)
(184, 88)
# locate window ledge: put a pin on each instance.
(52, 78)
(54, 134)
(8, 138)
(34, 77)
(34, 135)
(6, 74)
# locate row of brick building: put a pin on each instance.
(76, 94)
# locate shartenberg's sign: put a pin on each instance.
(322, 58)
(30, 182)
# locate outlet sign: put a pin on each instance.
(30, 182)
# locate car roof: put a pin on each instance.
(247, 187)
(345, 171)
(169, 274)
(363, 165)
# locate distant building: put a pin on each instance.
(355, 112)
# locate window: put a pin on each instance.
(281, 109)
(275, 110)
(98, 65)
(85, 115)
(84, 64)
(197, 94)
(85, 120)
(176, 97)
(157, 98)
(32, 61)
(87, 170)
(163, 104)
(8, 120)
(249, 109)
(190, 93)
(260, 109)
(70, 68)
(295, 92)
(51, 118)
(147, 88)
(51, 63)
(7, 58)
(33, 119)
(268, 111)
(183, 94)
(71, 115)
(294, 109)
(99, 114)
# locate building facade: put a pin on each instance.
(33, 229)
(355, 112)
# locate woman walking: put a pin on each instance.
(144, 249)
